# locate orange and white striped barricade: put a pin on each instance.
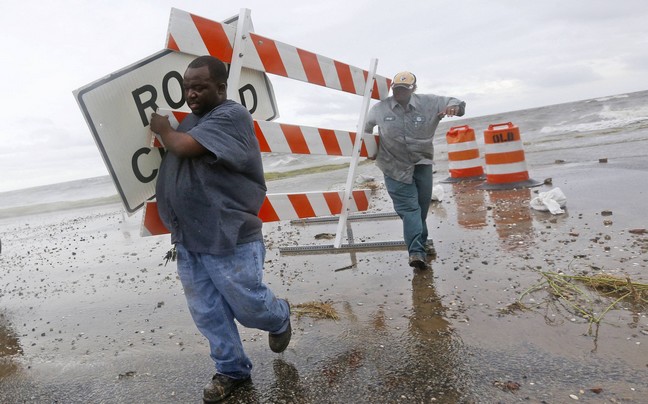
(282, 138)
(505, 163)
(278, 207)
(464, 163)
(277, 137)
(240, 47)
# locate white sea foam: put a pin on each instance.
(606, 118)
(612, 97)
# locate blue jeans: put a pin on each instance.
(412, 202)
(220, 289)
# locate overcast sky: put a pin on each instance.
(498, 56)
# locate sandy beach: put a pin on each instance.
(89, 312)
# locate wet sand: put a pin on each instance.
(90, 313)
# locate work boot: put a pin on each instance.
(418, 261)
(279, 342)
(220, 387)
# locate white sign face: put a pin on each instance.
(117, 109)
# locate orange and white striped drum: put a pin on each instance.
(505, 162)
(464, 163)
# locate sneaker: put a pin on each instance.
(417, 261)
(279, 342)
(220, 387)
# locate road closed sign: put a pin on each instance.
(117, 109)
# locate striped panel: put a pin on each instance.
(295, 139)
(330, 142)
(195, 35)
(183, 35)
(310, 204)
(277, 137)
(347, 82)
(277, 207)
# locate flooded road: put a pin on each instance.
(90, 313)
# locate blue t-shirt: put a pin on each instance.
(211, 203)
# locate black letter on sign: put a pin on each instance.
(136, 170)
(242, 90)
(165, 90)
(142, 105)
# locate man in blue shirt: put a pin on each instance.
(406, 125)
(209, 192)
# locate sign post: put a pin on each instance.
(242, 30)
(356, 153)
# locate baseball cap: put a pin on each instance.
(404, 79)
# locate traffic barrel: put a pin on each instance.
(464, 163)
(505, 163)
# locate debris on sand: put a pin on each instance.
(613, 287)
(507, 386)
(513, 307)
(372, 185)
(130, 373)
(321, 310)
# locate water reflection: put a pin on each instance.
(471, 204)
(379, 363)
(287, 387)
(512, 216)
(435, 350)
(9, 349)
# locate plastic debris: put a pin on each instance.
(552, 201)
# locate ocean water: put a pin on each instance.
(613, 120)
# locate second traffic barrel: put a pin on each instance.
(504, 157)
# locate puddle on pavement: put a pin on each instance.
(9, 349)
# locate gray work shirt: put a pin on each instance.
(210, 203)
(406, 134)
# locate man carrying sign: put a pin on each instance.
(209, 192)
